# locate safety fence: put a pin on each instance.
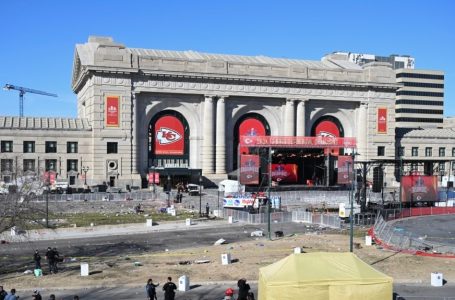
(139, 195)
(392, 214)
(397, 238)
(326, 220)
(260, 218)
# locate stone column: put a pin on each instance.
(362, 128)
(301, 122)
(220, 155)
(289, 121)
(208, 138)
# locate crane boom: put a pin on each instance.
(22, 91)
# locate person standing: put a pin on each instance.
(244, 288)
(37, 260)
(12, 295)
(169, 289)
(3, 293)
(56, 259)
(50, 259)
(150, 289)
(37, 295)
(207, 209)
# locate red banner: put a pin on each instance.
(298, 141)
(49, 177)
(329, 129)
(249, 169)
(417, 188)
(382, 120)
(154, 177)
(250, 127)
(112, 111)
(285, 173)
(344, 170)
(169, 136)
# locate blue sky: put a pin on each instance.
(38, 37)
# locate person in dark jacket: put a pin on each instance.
(244, 288)
(56, 259)
(52, 297)
(37, 295)
(50, 259)
(37, 260)
(3, 293)
(169, 289)
(150, 289)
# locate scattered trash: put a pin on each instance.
(184, 262)
(279, 233)
(166, 250)
(202, 261)
(206, 251)
(220, 241)
(137, 263)
(127, 258)
(230, 248)
(257, 233)
(260, 245)
(4, 242)
(28, 272)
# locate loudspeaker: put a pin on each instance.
(378, 179)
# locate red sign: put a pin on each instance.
(285, 173)
(249, 169)
(112, 111)
(382, 120)
(344, 169)
(154, 177)
(329, 129)
(49, 177)
(169, 136)
(298, 141)
(417, 188)
(250, 127)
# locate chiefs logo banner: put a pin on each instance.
(382, 120)
(249, 169)
(344, 169)
(112, 111)
(328, 129)
(285, 173)
(417, 188)
(250, 127)
(169, 136)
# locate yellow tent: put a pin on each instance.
(323, 276)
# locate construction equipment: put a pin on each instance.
(22, 91)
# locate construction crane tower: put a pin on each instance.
(22, 91)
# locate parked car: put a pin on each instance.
(193, 189)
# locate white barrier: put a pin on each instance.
(84, 269)
(226, 259)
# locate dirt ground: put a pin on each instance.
(248, 258)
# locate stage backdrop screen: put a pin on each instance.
(418, 188)
(250, 127)
(169, 136)
(285, 173)
(344, 169)
(330, 129)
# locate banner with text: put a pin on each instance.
(285, 173)
(249, 169)
(298, 141)
(169, 136)
(382, 120)
(344, 169)
(112, 111)
(418, 188)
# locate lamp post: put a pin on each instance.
(85, 170)
(168, 190)
(48, 181)
(200, 196)
(269, 208)
(153, 179)
(351, 200)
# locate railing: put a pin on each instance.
(327, 220)
(139, 195)
(399, 239)
(261, 218)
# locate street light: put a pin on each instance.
(200, 196)
(153, 179)
(85, 170)
(168, 190)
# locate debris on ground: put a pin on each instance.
(185, 262)
(202, 261)
(137, 264)
(220, 242)
(257, 233)
(28, 272)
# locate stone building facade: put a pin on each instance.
(123, 93)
